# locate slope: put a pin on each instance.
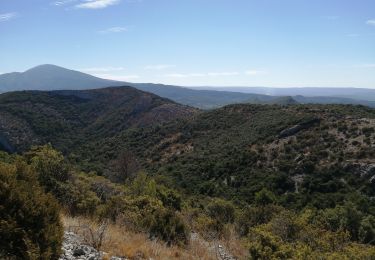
(306, 154)
(73, 116)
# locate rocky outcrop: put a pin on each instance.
(74, 249)
(223, 254)
(297, 128)
(364, 170)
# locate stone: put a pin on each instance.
(74, 249)
(78, 252)
(297, 128)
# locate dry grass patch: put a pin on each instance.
(118, 241)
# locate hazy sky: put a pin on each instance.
(288, 43)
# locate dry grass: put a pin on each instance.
(234, 245)
(118, 241)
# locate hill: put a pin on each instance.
(231, 152)
(203, 99)
(346, 93)
(292, 178)
(73, 116)
(287, 100)
(236, 150)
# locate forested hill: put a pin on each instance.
(232, 151)
(296, 151)
(70, 117)
(280, 181)
(293, 150)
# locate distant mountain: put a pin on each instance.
(350, 93)
(332, 100)
(287, 100)
(51, 77)
(204, 99)
(219, 97)
(73, 116)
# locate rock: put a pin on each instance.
(364, 170)
(74, 249)
(78, 252)
(297, 128)
(223, 254)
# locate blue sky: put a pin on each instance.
(275, 43)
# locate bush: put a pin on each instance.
(254, 216)
(51, 167)
(170, 198)
(345, 217)
(30, 227)
(265, 197)
(147, 214)
(367, 230)
(168, 226)
(221, 210)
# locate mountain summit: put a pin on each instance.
(51, 77)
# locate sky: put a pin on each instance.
(272, 43)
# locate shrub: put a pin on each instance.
(30, 227)
(168, 226)
(265, 245)
(345, 217)
(254, 216)
(50, 166)
(367, 230)
(221, 210)
(170, 198)
(265, 197)
(123, 168)
(146, 214)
